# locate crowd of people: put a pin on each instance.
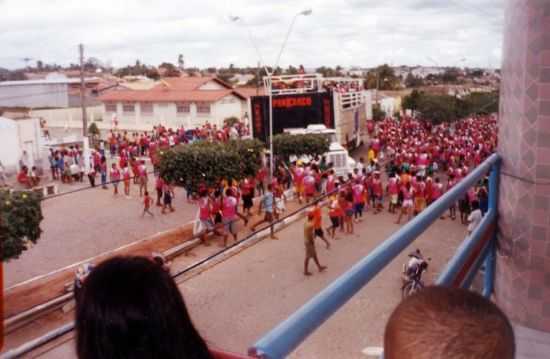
(410, 164)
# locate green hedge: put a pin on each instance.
(209, 162)
(20, 217)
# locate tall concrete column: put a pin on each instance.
(523, 260)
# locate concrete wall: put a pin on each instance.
(70, 117)
(18, 136)
(34, 95)
(522, 285)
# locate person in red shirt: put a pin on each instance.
(115, 178)
(309, 186)
(23, 177)
(147, 205)
(247, 193)
(317, 223)
(377, 192)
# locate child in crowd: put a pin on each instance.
(147, 204)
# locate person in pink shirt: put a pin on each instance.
(229, 215)
(205, 215)
(115, 178)
(393, 192)
(309, 186)
(358, 190)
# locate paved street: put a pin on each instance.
(237, 301)
(84, 224)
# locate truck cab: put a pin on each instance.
(337, 154)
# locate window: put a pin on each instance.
(203, 107)
(146, 108)
(128, 107)
(110, 107)
(183, 107)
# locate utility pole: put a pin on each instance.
(259, 80)
(82, 92)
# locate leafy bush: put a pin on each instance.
(209, 162)
(286, 145)
(20, 217)
(231, 120)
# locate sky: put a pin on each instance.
(362, 33)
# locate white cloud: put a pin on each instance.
(345, 32)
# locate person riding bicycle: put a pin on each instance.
(415, 266)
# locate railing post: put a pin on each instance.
(493, 186)
(489, 276)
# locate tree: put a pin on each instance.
(181, 62)
(480, 103)
(413, 81)
(438, 108)
(383, 78)
(291, 70)
(169, 70)
(377, 113)
(410, 102)
(450, 75)
(209, 162)
(152, 73)
(230, 121)
(39, 65)
(286, 145)
(93, 130)
(20, 218)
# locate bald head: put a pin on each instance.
(448, 323)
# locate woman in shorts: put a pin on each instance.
(408, 204)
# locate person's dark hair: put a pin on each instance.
(130, 307)
(475, 205)
(450, 323)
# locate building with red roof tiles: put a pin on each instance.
(175, 102)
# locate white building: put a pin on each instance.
(54, 91)
(388, 104)
(21, 140)
(187, 101)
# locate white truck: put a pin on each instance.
(337, 155)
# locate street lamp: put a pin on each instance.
(305, 12)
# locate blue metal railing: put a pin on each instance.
(286, 336)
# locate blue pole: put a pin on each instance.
(490, 261)
(489, 278)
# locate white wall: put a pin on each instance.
(229, 106)
(70, 117)
(17, 136)
(388, 105)
(9, 138)
(166, 114)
